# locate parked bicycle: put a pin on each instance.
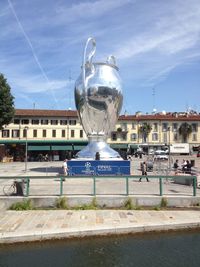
(14, 189)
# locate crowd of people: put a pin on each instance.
(185, 167)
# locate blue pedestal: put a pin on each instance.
(99, 167)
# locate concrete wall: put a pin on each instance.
(104, 201)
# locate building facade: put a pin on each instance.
(57, 134)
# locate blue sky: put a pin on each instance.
(156, 44)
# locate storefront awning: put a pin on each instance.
(78, 147)
(56, 148)
(38, 148)
(133, 146)
(119, 146)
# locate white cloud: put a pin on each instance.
(171, 33)
(90, 9)
(36, 85)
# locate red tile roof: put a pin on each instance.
(161, 117)
(45, 113)
(73, 113)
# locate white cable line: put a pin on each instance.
(32, 49)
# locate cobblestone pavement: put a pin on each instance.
(40, 225)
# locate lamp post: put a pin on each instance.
(168, 129)
(26, 149)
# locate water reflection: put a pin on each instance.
(174, 249)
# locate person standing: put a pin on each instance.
(144, 171)
(65, 167)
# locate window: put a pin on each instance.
(53, 133)
(133, 125)
(72, 133)
(175, 137)
(165, 138)
(34, 133)
(16, 121)
(175, 127)
(124, 126)
(72, 122)
(164, 127)
(194, 137)
(44, 122)
(63, 122)
(133, 137)
(114, 136)
(15, 133)
(154, 137)
(24, 133)
(44, 133)
(24, 121)
(194, 127)
(155, 127)
(35, 122)
(5, 133)
(63, 133)
(81, 133)
(124, 136)
(54, 122)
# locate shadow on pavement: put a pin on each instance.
(47, 169)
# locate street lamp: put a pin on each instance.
(26, 149)
(168, 129)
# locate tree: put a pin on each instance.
(185, 130)
(7, 109)
(145, 129)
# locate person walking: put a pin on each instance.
(144, 171)
(176, 167)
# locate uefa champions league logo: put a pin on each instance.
(87, 165)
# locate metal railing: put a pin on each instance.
(26, 181)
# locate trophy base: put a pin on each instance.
(104, 150)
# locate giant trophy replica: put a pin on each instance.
(98, 99)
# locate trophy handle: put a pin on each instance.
(111, 60)
(87, 60)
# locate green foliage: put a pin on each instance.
(185, 130)
(157, 208)
(145, 129)
(128, 204)
(119, 130)
(91, 206)
(25, 205)
(163, 203)
(7, 109)
(61, 203)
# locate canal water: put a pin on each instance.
(157, 250)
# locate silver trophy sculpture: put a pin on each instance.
(98, 99)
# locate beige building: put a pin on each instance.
(58, 133)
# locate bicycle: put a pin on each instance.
(14, 189)
(10, 189)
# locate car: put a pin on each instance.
(160, 155)
(151, 152)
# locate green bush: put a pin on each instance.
(91, 206)
(163, 203)
(25, 205)
(128, 204)
(61, 203)
(157, 208)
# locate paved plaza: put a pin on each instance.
(33, 225)
(84, 186)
